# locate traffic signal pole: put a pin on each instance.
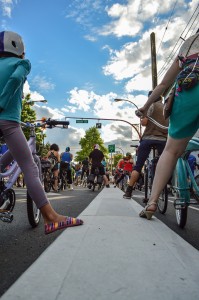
(118, 120)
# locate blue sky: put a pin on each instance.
(85, 53)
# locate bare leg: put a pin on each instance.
(166, 164)
(134, 178)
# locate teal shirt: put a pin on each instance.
(13, 73)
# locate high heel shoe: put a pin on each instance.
(148, 213)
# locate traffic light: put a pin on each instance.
(98, 125)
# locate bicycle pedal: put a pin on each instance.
(6, 217)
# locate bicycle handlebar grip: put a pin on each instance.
(56, 122)
(139, 113)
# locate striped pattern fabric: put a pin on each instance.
(69, 222)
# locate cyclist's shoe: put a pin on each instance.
(70, 187)
(128, 192)
(69, 222)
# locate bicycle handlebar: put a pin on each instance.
(49, 122)
(139, 114)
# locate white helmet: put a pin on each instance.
(11, 42)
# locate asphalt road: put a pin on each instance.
(20, 245)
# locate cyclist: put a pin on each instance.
(96, 157)
(54, 157)
(85, 168)
(126, 165)
(78, 172)
(14, 70)
(152, 136)
(184, 118)
(65, 163)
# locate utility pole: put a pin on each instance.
(153, 61)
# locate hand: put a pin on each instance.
(141, 112)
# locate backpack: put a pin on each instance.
(53, 159)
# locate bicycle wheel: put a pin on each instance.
(8, 196)
(125, 184)
(47, 181)
(163, 201)
(34, 214)
(146, 185)
(182, 193)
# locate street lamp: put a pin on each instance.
(31, 102)
(126, 100)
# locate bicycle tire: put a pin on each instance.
(34, 214)
(146, 185)
(182, 193)
(47, 182)
(163, 201)
(9, 194)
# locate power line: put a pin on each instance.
(172, 54)
(167, 26)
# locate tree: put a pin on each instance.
(92, 136)
(29, 115)
(117, 157)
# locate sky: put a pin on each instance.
(86, 53)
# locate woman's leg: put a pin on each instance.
(166, 164)
(20, 151)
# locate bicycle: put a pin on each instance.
(124, 181)
(95, 180)
(185, 185)
(47, 176)
(7, 193)
(63, 182)
(149, 173)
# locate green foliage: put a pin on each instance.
(29, 115)
(117, 157)
(92, 137)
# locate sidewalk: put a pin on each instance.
(115, 255)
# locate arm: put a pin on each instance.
(14, 83)
(166, 82)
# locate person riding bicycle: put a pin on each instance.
(96, 157)
(14, 69)
(184, 117)
(85, 167)
(54, 157)
(126, 165)
(78, 172)
(153, 136)
(65, 163)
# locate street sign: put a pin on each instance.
(81, 121)
(98, 125)
(111, 148)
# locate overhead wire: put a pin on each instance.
(172, 54)
(167, 26)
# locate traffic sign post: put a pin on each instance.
(111, 148)
(81, 121)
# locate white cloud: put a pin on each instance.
(7, 6)
(42, 83)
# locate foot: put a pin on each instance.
(149, 211)
(67, 222)
(128, 193)
(108, 186)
